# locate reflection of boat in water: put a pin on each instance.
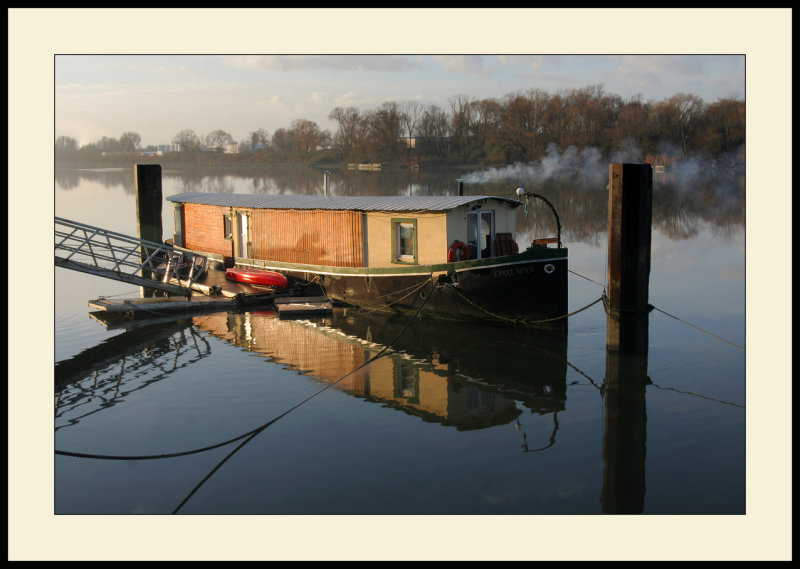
(102, 376)
(468, 378)
(458, 252)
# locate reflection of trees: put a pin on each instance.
(686, 197)
(68, 179)
(217, 185)
(680, 207)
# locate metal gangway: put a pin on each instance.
(104, 253)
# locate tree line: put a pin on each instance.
(519, 127)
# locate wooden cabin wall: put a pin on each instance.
(319, 237)
(204, 229)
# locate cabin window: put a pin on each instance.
(227, 226)
(404, 240)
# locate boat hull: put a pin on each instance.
(530, 286)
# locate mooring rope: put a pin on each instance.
(385, 306)
(519, 320)
(651, 307)
(698, 328)
(250, 434)
(706, 397)
(587, 278)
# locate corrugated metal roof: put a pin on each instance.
(357, 203)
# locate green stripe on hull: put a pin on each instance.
(528, 256)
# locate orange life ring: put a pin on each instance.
(453, 253)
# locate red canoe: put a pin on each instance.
(254, 276)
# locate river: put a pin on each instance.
(244, 413)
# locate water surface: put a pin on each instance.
(442, 419)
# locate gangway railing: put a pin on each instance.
(129, 259)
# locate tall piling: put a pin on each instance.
(148, 201)
(630, 204)
(147, 178)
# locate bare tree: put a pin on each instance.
(284, 140)
(348, 120)
(461, 117)
(260, 136)
(308, 135)
(689, 114)
(218, 138)
(410, 113)
(66, 143)
(129, 141)
(726, 126)
(187, 139)
(433, 129)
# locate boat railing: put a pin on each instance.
(109, 254)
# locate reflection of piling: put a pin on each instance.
(630, 205)
(625, 433)
(327, 179)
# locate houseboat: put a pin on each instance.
(458, 254)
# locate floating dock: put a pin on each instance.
(295, 307)
(216, 293)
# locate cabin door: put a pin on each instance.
(480, 233)
(241, 242)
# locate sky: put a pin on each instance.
(157, 96)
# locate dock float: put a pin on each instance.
(296, 307)
(215, 293)
(134, 308)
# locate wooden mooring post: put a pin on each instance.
(148, 201)
(148, 210)
(630, 204)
